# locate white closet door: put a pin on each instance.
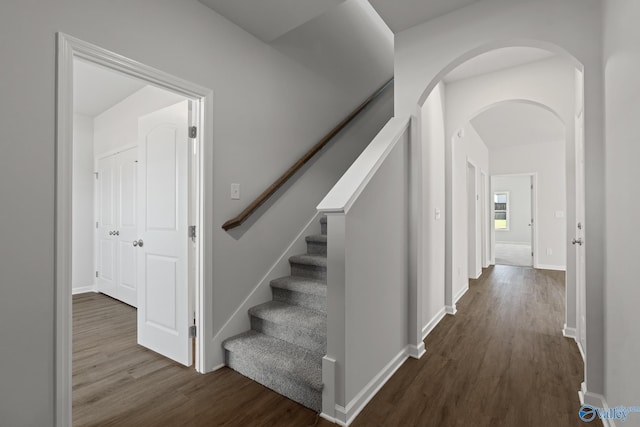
(125, 165)
(164, 307)
(106, 243)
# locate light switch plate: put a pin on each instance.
(235, 191)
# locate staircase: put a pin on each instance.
(288, 338)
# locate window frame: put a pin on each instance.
(507, 211)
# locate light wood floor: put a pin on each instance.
(501, 361)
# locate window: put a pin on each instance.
(501, 210)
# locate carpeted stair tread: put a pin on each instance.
(310, 260)
(317, 238)
(278, 357)
(283, 313)
(302, 285)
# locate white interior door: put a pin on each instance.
(164, 301)
(579, 242)
(106, 243)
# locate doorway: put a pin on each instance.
(166, 220)
(513, 219)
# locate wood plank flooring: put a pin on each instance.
(501, 361)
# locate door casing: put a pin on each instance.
(68, 49)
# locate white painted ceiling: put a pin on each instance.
(269, 19)
(495, 60)
(517, 123)
(96, 89)
(402, 14)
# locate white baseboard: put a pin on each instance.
(551, 267)
(238, 322)
(451, 309)
(461, 293)
(433, 322)
(515, 243)
(595, 400)
(416, 352)
(569, 332)
(345, 416)
(83, 290)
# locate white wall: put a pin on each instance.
(83, 274)
(548, 161)
(468, 148)
(433, 208)
(622, 293)
(424, 53)
(377, 293)
(519, 189)
(117, 127)
(267, 111)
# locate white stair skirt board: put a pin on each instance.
(426, 330)
(83, 290)
(344, 416)
(597, 401)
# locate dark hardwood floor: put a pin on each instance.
(501, 361)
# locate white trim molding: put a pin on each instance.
(426, 330)
(84, 290)
(551, 267)
(68, 49)
(569, 332)
(344, 416)
(451, 309)
(597, 401)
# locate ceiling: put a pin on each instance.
(517, 123)
(96, 89)
(495, 60)
(269, 19)
(402, 14)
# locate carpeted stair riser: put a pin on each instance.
(300, 291)
(312, 272)
(323, 225)
(317, 245)
(251, 368)
(314, 302)
(290, 333)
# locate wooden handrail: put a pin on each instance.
(245, 214)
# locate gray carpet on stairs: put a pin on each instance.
(288, 336)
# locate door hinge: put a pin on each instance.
(97, 224)
(97, 275)
(97, 174)
(193, 331)
(192, 232)
(193, 132)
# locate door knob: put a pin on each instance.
(135, 243)
(111, 233)
(139, 242)
(117, 233)
(577, 241)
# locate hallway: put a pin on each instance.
(501, 361)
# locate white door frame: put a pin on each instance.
(68, 49)
(534, 215)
